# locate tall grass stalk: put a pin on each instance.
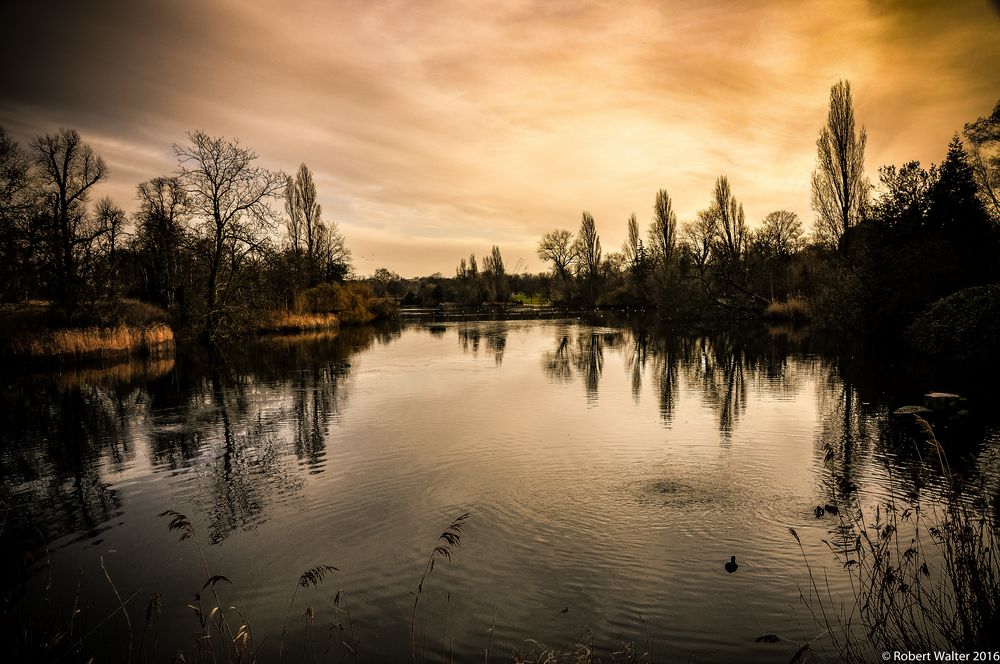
(355, 650)
(449, 540)
(922, 576)
(242, 640)
(121, 605)
(311, 577)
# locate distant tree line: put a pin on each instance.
(875, 259)
(204, 243)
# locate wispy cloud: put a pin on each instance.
(440, 128)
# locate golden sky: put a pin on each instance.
(436, 129)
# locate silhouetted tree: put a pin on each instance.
(111, 219)
(16, 203)
(229, 193)
(385, 283)
(905, 200)
(839, 185)
(780, 235)
(955, 196)
(700, 239)
(927, 236)
(323, 246)
(332, 255)
(497, 275)
(663, 231)
(68, 168)
(163, 211)
(732, 231)
(631, 245)
(588, 251)
(778, 239)
(558, 248)
(984, 146)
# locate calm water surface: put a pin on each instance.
(609, 471)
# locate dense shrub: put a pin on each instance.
(352, 302)
(962, 327)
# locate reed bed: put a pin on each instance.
(95, 342)
(286, 321)
(792, 309)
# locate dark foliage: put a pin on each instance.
(928, 236)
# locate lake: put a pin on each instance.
(609, 471)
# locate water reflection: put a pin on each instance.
(722, 367)
(54, 451)
(222, 419)
(641, 449)
(494, 334)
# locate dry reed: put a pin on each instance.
(96, 342)
(286, 321)
(922, 576)
(792, 309)
(448, 541)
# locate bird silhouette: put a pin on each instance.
(731, 566)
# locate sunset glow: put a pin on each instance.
(438, 129)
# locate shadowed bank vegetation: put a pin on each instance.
(924, 569)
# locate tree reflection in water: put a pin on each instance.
(720, 367)
(233, 427)
(494, 333)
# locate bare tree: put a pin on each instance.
(325, 249)
(163, 210)
(13, 177)
(16, 250)
(663, 231)
(732, 228)
(230, 194)
(630, 248)
(588, 247)
(110, 220)
(332, 258)
(780, 235)
(983, 137)
(294, 223)
(840, 189)
(68, 169)
(700, 236)
(558, 247)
